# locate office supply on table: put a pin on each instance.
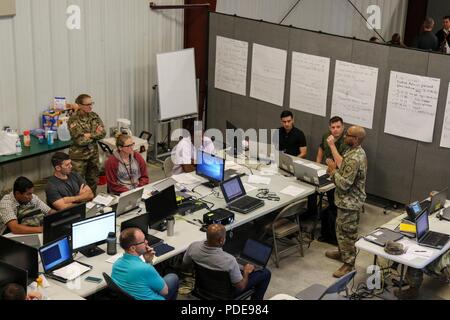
(436, 202)
(89, 233)
(128, 201)
(160, 206)
(218, 216)
(20, 255)
(382, 235)
(256, 253)
(236, 198)
(407, 227)
(58, 263)
(428, 238)
(292, 191)
(258, 180)
(59, 224)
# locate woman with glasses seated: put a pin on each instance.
(125, 168)
(86, 128)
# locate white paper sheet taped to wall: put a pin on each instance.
(445, 137)
(411, 106)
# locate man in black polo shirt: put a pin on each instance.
(292, 140)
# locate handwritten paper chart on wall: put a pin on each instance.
(411, 106)
(309, 83)
(231, 65)
(355, 88)
(268, 74)
(445, 138)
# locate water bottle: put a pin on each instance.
(50, 137)
(111, 244)
(18, 146)
(170, 226)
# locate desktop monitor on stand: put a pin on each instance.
(89, 233)
(161, 206)
(211, 168)
(21, 256)
(58, 225)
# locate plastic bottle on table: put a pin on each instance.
(26, 138)
(18, 145)
(40, 288)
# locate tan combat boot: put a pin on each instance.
(343, 270)
(333, 254)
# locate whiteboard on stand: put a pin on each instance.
(176, 84)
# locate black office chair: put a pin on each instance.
(215, 285)
(117, 292)
(106, 149)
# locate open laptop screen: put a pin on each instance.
(257, 251)
(232, 189)
(55, 253)
(422, 224)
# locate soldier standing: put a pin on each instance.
(350, 181)
(86, 128)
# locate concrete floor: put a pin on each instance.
(297, 273)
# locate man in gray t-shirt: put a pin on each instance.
(209, 254)
(66, 188)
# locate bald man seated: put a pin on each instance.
(209, 254)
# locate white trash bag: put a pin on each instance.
(8, 141)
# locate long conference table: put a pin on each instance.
(186, 230)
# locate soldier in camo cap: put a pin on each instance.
(86, 128)
(350, 195)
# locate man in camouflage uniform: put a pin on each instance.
(439, 267)
(86, 128)
(350, 194)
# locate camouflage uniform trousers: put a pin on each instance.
(88, 169)
(347, 223)
(415, 276)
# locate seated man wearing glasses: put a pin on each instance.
(86, 128)
(138, 278)
(125, 169)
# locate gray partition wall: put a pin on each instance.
(400, 169)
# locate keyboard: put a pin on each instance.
(246, 202)
(242, 262)
(435, 239)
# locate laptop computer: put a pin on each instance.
(256, 253)
(310, 172)
(30, 240)
(236, 198)
(58, 263)
(382, 235)
(128, 201)
(428, 238)
(436, 202)
(286, 163)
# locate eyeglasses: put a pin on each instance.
(130, 145)
(136, 244)
(88, 105)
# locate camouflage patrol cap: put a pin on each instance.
(394, 248)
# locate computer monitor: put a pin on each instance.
(89, 233)
(210, 167)
(234, 139)
(21, 256)
(11, 274)
(160, 206)
(59, 224)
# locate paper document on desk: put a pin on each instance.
(292, 191)
(258, 180)
(71, 271)
(186, 178)
(117, 256)
(103, 200)
(248, 187)
(232, 165)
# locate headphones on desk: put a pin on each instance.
(267, 195)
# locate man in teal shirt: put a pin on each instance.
(138, 278)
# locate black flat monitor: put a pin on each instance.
(12, 274)
(210, 167)
(59, 224)
(20, 255)
(234, 139)
(89, 233)
(160, 206)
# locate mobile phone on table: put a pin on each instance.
(93, 279)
